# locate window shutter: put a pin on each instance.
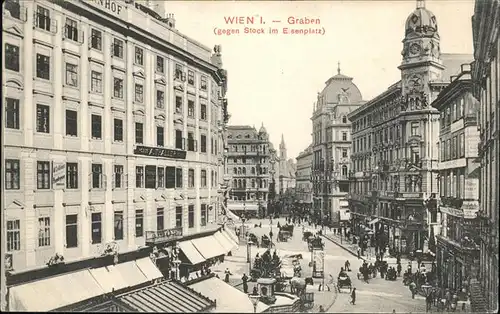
(103, 176)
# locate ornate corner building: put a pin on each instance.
(486, 80)
(251, 166)
(112, 133)
(331, 145)
(395, 156)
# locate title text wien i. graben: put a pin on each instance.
(254, 25)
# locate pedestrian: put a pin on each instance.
(359, 253)
(321, 309)
(347, 266)
(399, 268)
(271, 234)
(245, 283)
(413, 289)
(226, 276)
(394, 311)
(353, 296)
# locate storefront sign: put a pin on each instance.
(472, 188)
(470, 209)
(58, 175)
(109, 5)
(164, 235)
(451, 211)
(160, 152)
(318, 258)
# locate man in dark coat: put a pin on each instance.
(353, 296)
(245, 283)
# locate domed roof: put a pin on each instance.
(421, 21)
(340, 89)
(262, 129)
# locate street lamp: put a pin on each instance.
(249, 254)
(427, 290)
(255, 300)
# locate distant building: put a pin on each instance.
(395, 156)
(251, 159)
(303, 182)
(486, 78)
(456, 248)
(287, 169)
(331, 146)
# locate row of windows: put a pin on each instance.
(453, 148)
(243, 160)
(452, 183)
(149, 177)
(246, 148)
(43, 117)
(44, 21)
(243, 170)
(96, 225)
(242, 184)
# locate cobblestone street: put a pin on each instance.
(379, 295)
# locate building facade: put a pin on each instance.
(251, 159)
(395, 155)
(457, 243)
(112, 134)
(303, 183)
(287, 169)
(331, 145)
(486, 78)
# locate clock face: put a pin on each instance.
(414, 48)
(415, 81)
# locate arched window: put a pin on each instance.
(239, 170)
(235, 170)
(235, 183)
(344, 171)
(253, 170)
(239, 184)
(344, 119)
(244, 183)
(244, 170)
(265, 184)
(253, 182)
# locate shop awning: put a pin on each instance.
(191, 252)
(229, 299)
(148, 268)
(166, 297)
(209, 247)
(231, 236)
(343, 204)
(54, 292)
(243, 207)
(374, 221)
(228, 246)
(119, 276)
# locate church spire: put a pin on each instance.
(420, 4)
(282, 141)
(338, 67)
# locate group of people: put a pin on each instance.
(267, 263)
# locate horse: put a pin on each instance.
(297, 286)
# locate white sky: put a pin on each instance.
(274, 79)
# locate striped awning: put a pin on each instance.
(166, 297)
(191, 252)
(209, 247)
(54, 292)
(225, 242)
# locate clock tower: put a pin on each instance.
(421, 62)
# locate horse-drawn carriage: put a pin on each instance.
(265, 241)
(306, 235)
(298, 288)
(283, 236)
(315, 243)
(287, 228)
(253, 238)
(344, 282)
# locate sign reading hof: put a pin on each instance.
(160, 152)
(109, 5)
(58, 175)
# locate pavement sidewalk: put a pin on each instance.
(353, 249)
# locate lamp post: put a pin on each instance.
(249, 254)
(255, 300)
